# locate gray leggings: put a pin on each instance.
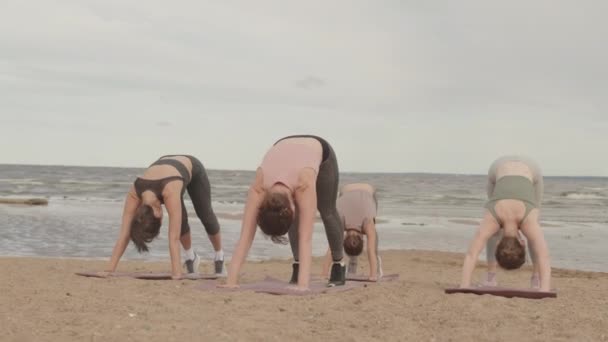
(199, 191)
(327, 192)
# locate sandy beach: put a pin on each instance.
(42, 300)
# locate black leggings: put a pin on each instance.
(327, 192)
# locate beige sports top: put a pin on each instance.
(356, 206)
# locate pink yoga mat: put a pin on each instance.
(279, 287)
(504, 292)
(149, 275)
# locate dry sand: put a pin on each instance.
(42, 300)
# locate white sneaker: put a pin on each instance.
(220, 268)
(351, 268)
(192, 265)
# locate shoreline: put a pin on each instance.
(275, 259)
(259, 253)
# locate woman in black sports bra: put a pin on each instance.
(165, 182)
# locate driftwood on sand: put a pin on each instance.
(24, 201)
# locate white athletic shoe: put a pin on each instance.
(220, 268)
(351, 268)
(192, 265)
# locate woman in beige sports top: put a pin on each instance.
(358, 206)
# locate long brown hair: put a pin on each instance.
(353, 243)
(144, 227)
(510, 253)
(275, 216)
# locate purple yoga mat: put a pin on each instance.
(279, 287)
(504, 292)
(149, 275)
(113, 274)
(364, 278)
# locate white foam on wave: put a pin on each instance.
(228, 203)
(584, 196)
(21, 181)
(79, 181)
(230, 186)
(85, 199)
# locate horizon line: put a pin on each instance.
(347, 172)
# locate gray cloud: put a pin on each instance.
(164, 124)
(310, 82)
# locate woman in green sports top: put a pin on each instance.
(515, 187)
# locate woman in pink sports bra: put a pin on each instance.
(297, 176)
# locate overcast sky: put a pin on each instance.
(393, 85)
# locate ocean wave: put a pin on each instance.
(460, 197)
(550, 202)
(228, 203)
(84, 199)
(412, 224)
(466, 198)
(230, 216)
(121, 197)
(451, 199)
(596, 189)
(230, 186)
(21, 181)
(80, 182)
(583, 195)
(467, 222)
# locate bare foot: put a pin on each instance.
(535, 281)
(490, 280)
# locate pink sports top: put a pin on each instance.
(284, 161)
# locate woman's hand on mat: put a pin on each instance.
(228, 286)
(373, 278)
(177, 276)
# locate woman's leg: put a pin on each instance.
(199, 190)
(327, 193)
